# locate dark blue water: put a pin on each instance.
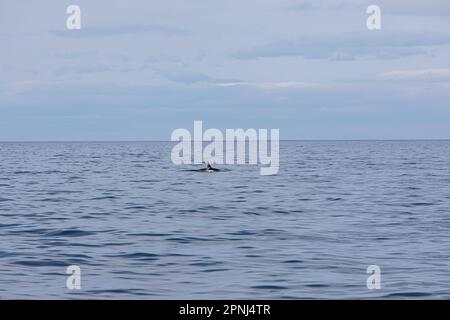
(140, 227)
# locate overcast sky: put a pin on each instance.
(137, 70)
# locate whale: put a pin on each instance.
(209, 169)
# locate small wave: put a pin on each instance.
(184, 211)
(148, 234)
(52, 172)
(42, 263)
(24, 172)
(317, 285)
(75, 178)
(269, 287)
(215, 270)
(242, 233)
(54, 200)
(8, 225)
(146, 181)
(137, 207)
(185, 240)
(293, 261)
(138, 256)
(408, 295)
(205, 263)
(281, 211)
(69, 233)
(4, 254)
(252, 213)
(334, 199)
(258, 191)
(55, 192)
(104, 198)
(38, 231)
(138, 292)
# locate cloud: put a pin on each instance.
(193, 78)
(90, 69)
(74, 55)
(416, 7)
(418, 74)
(388, 7)
(273, 85)
(307, 5)
(350, 46)
(188, 77)
(99, 32)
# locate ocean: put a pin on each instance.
(139, 226)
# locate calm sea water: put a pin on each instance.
(140, 227)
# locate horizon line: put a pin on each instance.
(137, 140)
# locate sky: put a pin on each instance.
(139, 69)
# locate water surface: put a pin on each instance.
(140, 227)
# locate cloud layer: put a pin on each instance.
(350, 46)
(137, 70)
